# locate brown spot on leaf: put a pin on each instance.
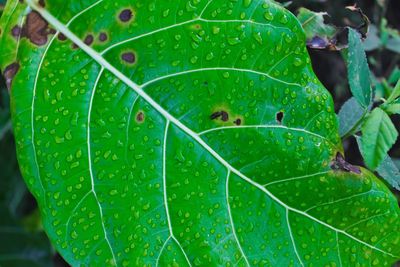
(125, 15)
(140, 117)
(88, 39)
(341, 164)
(279, 117)
(223, 115)
(215, 115)
(42, 3)
(129, 57)
(103, 37)
(16, 31)
(61, 37)
(238, 122)
(9, 73)
(36, 29)
(74, 46)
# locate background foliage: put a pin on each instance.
(23, 241)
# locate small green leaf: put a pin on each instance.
(394, 76)
(393, 45)
(286, 3)
(358, 70)
(378, 136)
(395, 93)
(393, 108)
(373, 41)
(390, 172)
(314, 25)
(350, 116)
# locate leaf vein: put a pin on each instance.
(231, 219)
(91, 169)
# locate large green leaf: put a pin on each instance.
(186, 132)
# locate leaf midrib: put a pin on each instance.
(100, 60)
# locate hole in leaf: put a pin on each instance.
(279, 117)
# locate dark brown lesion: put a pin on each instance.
(125, 15)
(61, 37)
(129, 57)
(238, 122)
(42, 3)
(222, 115)
(36, 29)
(74, 46)
(103, 37)
(16, 31)
(140, 117)
(9, 73)
(88, 39)
(340, 164)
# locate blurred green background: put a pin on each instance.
(22, 240)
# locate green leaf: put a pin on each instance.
(314, 25)
(394, 76)
(350, 116)
(393, 41)
(358, 70)
(378, 136)
(390, 172)
(396, 162)
(372, 42)
(393, 108)
(187, 133)
(395, 93)
(393, 45)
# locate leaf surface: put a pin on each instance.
(190, 133)
(378, 136)
(390, 172)
(314, 25)
(358, 70)
(350, 117)
(395, 93)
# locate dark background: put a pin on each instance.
(22, 240)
